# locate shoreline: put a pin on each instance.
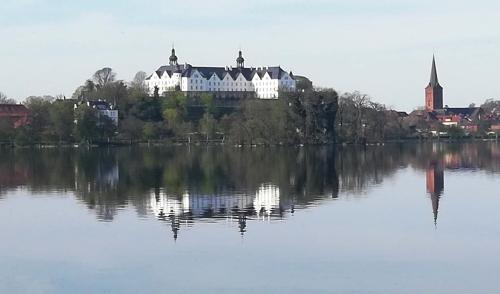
(162, 143)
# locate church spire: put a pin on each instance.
(435, 186)
(433, 91)
(435, 206)
(434, 78)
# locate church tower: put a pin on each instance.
(434, 91)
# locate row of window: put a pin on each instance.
(265, 81)
(210, 83)
(191, 87)
(196, 87)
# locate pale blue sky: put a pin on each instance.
(382, 48)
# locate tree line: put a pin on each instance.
(307, 116)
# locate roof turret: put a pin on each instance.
(240, 61)
(173, 58)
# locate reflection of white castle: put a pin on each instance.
(163, 205)
(266, 199)
(263, 201)
(105, 176)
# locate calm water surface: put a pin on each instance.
(393, 219)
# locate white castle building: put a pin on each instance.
(265, 82)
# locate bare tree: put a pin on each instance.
(6, 100)
(103, 77)
(139, 81)
(361, 103)
(139, 78)
(352, 120)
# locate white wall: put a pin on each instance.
(265, 88)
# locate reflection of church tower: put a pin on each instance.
(242, 223)
(176, 225)
(435, 186)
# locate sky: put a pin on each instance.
(381, 48)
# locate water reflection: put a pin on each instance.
(264, 205)
(435, 186)
(182, 186)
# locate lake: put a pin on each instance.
(411, 218)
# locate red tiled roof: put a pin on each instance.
(13, 109)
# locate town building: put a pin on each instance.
(435, 111)
(14, 115)
(446, 115)
(103, 108)
(239, 81)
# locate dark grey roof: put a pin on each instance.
(462, 111)
(434, 78)
(186, 70)
(99, 105)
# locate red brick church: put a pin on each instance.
(433, 91)
(450, 116)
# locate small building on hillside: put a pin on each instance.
(15, 115)
(103, 108)
(457, 116)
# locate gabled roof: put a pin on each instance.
(97, 104)
(207, 72)
(13, 109)
(462, 111)
(101, 105)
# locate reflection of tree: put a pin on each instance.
(212, 182)
(360, 167)
(96, 184)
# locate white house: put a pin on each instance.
(265, 82)
(103, 108)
